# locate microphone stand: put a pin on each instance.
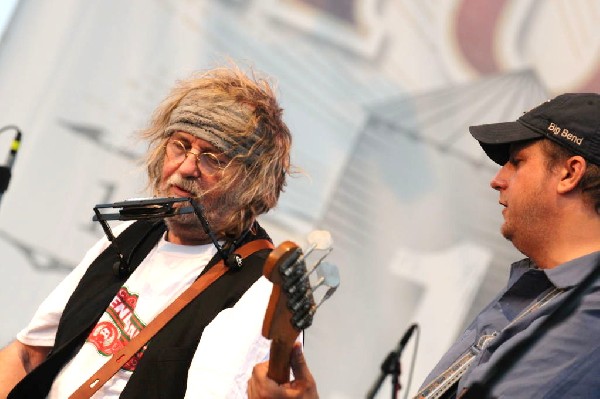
(391, 366)
(5, 171)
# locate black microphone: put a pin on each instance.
(5, 171)
(14, 147)
(405, 338)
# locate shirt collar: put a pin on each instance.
(574, 271)
(565, 275)
(519, 268)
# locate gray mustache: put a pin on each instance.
(187, 184)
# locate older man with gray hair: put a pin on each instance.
(218, 138)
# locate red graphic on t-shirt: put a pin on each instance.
(105, 337)
(110, 336)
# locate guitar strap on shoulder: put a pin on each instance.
(96, 381)
(440, 385)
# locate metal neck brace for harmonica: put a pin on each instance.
(159, 208)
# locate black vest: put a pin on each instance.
(162, 370)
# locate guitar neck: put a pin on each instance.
(279, 361)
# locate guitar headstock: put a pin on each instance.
(293, 299)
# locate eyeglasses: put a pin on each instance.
(207, 162)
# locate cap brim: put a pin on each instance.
(495, 138)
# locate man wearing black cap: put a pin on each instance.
(540, 337)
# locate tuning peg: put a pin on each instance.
(320, 239)
(329, 274)
(327, 295)
(302, 321)
(302, 304)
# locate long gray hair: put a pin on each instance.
(240, 116)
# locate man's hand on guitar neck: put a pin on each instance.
(302, 387)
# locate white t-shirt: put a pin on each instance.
(230, 346)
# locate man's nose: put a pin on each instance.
(189, 166)
(498, 182)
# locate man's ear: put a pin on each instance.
(571, 172)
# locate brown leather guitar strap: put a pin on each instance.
(96, 381)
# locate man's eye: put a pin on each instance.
(182, 145)
(211, 158)
(514, 161)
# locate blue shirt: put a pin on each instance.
(564, 362)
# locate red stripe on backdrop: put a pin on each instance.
(475, 26)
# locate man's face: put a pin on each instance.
(528, 193)
(192, 167)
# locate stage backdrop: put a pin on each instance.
(378, 95)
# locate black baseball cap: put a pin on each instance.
(571, 120)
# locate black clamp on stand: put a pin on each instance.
(391, 366)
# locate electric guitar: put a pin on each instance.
(292, 303)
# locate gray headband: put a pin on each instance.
(219, 125)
